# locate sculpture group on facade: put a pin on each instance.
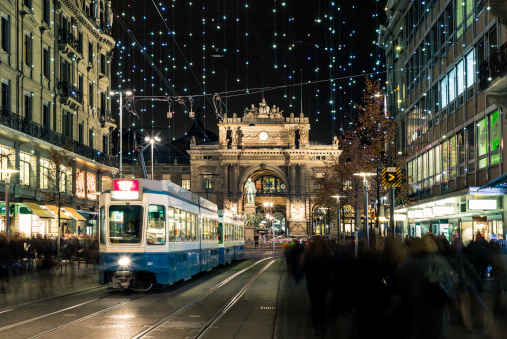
(264, 111)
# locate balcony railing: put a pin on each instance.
(40, 132)
(66, 89)
(66, 37)
(493, 67)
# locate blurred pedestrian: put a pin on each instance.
(316, 267)
(427, 286)
(293, 254)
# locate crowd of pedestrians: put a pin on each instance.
(19, 254)
(402, 289)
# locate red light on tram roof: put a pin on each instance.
(126, 185)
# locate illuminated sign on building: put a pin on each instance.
(482, 204)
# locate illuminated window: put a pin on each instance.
(80, 184)
(4, 160)
(185, 183)
(24, 169)
(91, 183)
(44, 173)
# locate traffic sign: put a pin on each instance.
(391, 177)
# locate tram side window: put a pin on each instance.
(155, 234)
(204, 235)
(183, 223)
(194, 227)
(177, 223)
(189, 226)
(102, 225)
(215, 230)
(170, 224)
(125, 224)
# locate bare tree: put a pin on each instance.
(367, 146)
(54, 183)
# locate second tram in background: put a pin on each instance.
(156, 233)
(231, 237)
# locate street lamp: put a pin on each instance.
(208, 181)
(338, 218)
(269, 218)
(151, 141)
(268, 208)
(127, 93)
(8, 173)
(365, 184)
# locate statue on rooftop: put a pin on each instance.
(251, 112)
(263, 107)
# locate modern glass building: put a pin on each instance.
(445, 65)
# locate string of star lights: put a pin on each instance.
(219, 56)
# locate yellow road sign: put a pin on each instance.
(391, 177)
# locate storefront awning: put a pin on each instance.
(54, 209)
(37, 210)
(74, 213)
(500, 181)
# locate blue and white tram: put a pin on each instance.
(154, 232)
(231, 237)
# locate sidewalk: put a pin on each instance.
(31, 286)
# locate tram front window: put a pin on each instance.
(125, 224)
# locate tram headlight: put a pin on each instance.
(124, 261)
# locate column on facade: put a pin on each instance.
(235, 180)
(302, 178)
(292, 177)
(17, 149)
(226, 179)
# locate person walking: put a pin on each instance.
(316, 267)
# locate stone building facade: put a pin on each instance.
(273, 150)
(55, 78)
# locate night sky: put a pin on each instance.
(309, 54)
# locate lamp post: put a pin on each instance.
(208, 180)
(338, 219)
(8, 173)
(127, 93)
(151, 141)
(365, 184)
(268, 208)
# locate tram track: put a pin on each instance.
(113, 307)
(218, 315)
(233, 300)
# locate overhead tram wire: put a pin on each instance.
(179, 48)
(150, 60)
(241, 92)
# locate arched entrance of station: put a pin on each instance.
(270, 201)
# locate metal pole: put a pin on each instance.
(391, 212)
(273, 231)
(356, 245)
(121, 135)
(338, 222)
(366, 228)
(343, 233)
(152, 141)
(7, 205)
